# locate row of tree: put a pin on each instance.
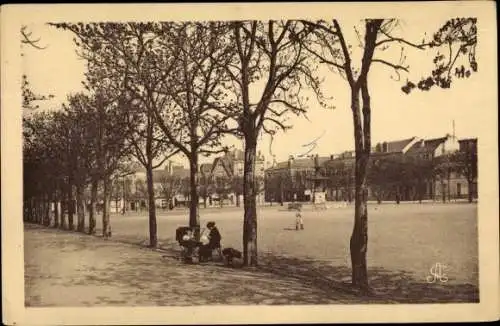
(155, 89)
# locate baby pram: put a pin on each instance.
(189, 248)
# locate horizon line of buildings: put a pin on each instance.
(455, 185)
(230, 165)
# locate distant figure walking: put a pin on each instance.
(299, 221)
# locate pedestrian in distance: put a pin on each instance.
(299, 221)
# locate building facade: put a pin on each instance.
(401, 170)
(219, 183)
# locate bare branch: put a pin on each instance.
(345, 51)
(322, 59)
(166, 157)
(26, 39)
(392, 65)
(278, 123)
(390, 38)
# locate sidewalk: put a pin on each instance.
(71, 269)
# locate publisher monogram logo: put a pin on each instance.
(437, 274)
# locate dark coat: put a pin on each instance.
(214, 238)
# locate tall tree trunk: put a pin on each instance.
(153, 237)
(281, 192)
(117, 202)
(64, 211)
(93, 204)
(359, 237)
(80, 208)
(45, 210)
(56, 211)
(35, 209)
(40, 209)
(71, 223)
(26, 210)
(48, 202)
(469, 192)
(443, 190)
(448, 186)
(32, 210)
(249, 202)
(32, 215)
(194, 219)
(106, 225)
(124, 200)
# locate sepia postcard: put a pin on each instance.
(240, 163)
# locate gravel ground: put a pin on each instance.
(312, 266)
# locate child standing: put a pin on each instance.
(299, 222)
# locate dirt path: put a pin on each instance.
(70, 269)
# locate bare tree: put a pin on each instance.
(110, 133)
(270, 58)
(458, 36)
(194, 116)
(136, 57)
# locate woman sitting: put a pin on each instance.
(214, 236)
(214, 239)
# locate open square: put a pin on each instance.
(311, 266)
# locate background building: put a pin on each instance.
(219, 183)
(409, 169)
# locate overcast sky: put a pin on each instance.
(57, 70)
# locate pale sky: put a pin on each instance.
(57, 70)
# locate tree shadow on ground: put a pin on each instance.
(388, 286)
(277, 280)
